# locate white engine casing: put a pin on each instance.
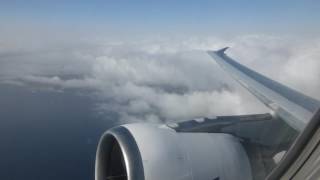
(157, 152)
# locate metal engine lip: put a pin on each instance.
(129, 149)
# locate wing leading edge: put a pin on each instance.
(293, 107)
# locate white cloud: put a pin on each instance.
(55, 81)
(167, 79)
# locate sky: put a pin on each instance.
(172, 17)
(69, 70)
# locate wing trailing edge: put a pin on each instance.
(292, 106)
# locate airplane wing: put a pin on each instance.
(293, 107)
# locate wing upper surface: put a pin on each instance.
(292, 106)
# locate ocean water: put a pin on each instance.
(48, 135)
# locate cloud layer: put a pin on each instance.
(162, 79)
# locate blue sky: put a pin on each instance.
(149, 16)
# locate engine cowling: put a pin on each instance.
(157, 152)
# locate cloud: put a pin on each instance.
(164, 79)
(57, 82)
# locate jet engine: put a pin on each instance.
(157, 152)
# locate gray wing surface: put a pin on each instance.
(293, 107)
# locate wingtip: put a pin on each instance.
(220, 51)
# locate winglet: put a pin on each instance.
(221, 51)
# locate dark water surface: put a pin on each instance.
(47, 135)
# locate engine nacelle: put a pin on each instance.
(157, 152)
